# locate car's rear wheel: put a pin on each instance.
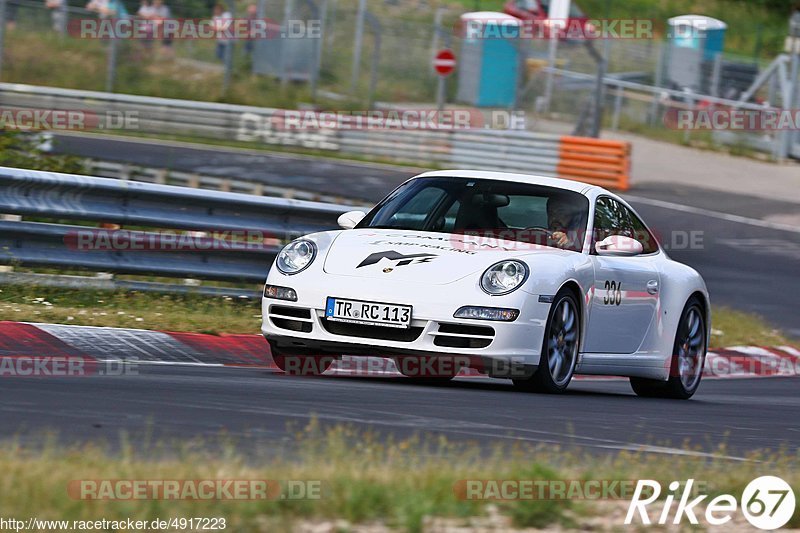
(559, 348)
(688, 358)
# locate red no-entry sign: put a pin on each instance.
(445, 62)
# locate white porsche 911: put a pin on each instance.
(530, 278)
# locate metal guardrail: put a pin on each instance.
(164, 176)
(232, 256)
(487, 149)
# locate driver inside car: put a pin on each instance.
(563, 220)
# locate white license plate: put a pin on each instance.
(370, 313)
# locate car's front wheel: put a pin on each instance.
(559, 349)
(689, 355)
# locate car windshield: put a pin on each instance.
(499, 209)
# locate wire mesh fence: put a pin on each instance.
(336, 51)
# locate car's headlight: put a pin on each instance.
(504, 277)
(296, 256)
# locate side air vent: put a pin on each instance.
(463, 336)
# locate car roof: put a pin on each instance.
(559, 183)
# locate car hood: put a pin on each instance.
(421, 257)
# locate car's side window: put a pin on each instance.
(613, 218)
(642, 234)
(609, 219)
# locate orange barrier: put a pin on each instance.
(597, 161)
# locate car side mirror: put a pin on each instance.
(350, 219)
(619, 245)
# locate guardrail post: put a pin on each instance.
(111, 69)
(161, 176)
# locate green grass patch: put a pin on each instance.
(364, 478)
(215, 315)
(192, 313)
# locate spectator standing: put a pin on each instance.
(161, 13)
(222, 21)
(58, 14)
(252, 15)
(147, 14)
(108, 8)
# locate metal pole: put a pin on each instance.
(111, 68)
(440, 92)
(662, 50)
(599, 89)
(2, 33)
(226, 82)
(794, 91)
(617, 109)
(329, 26)
(362, 9)
(687, 134)
(716, 74)
(599, 99)
(437, 29)
(376, 57)
(288, 6)
(551, 62)
(64, 18)
(323, 14)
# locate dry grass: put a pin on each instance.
(401, 484)
(735, 328)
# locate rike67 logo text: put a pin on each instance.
(767, 502)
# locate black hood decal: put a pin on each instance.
(402, 260)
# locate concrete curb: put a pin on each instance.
(19, 339)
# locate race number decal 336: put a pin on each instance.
(613, 294)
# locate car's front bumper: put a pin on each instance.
(301, 326)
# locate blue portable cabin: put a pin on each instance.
(488, 69)
(698, 32)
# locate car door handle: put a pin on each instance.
(652, 287)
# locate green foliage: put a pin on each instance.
(23, 150)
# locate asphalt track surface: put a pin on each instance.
(749, 265)
(257, 409)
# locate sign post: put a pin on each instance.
(444, 63)
(557, 15)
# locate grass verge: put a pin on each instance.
(411, 484)
(215, 315)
